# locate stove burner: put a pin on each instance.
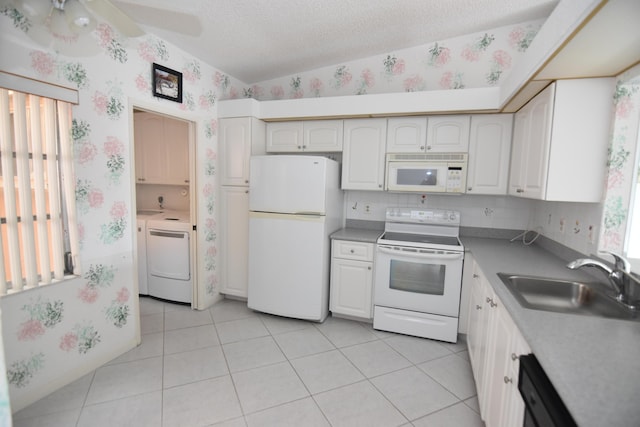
(420, 238)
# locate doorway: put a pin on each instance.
(163, 193)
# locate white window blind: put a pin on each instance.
(37, 210)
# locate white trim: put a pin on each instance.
(37, 87)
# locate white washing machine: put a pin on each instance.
(168, 257)
(141, 223)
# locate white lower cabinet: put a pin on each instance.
(352, 279)
(234, 241)
(494, 344)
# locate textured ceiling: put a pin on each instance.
(257, 40)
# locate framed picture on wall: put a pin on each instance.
(167, 83)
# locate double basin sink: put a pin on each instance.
(566, 296)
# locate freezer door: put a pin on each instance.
(289, 184)
(289, 265)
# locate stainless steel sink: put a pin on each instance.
(564, 296)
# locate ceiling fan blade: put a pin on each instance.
(178, 22)
(114, 16)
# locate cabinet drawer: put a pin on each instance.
(352, 250)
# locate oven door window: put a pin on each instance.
(420, 278)
(427, 177)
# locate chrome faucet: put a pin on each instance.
(619, 276)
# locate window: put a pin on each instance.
(37, 205)
(633, 229)
(621, 211)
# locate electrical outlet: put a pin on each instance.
(367, 209)
(591, 234)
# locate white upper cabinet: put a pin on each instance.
(323, 135)
(448, 134)
(310, 136)
(239, 138)
(161, 149)
(407, 135)
(284, 137)
(363, 155)
(489, 148)
(560, 142)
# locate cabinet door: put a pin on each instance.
(518, 154)
(235, 150)
(489, 148)
(363, 154)
(532, 140)
(234, 240)
(150, 148)
(448, 134)
(323, 136)
(537, 158)
(499, 387)
(284, 137)
(515, 404)
(406, 135)
(176, 133)
(351, 286)
(478, 329)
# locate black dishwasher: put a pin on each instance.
(543, 406)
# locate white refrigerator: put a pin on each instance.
(295, 203)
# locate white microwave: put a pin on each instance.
(427, 173)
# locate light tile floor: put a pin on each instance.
(230, 366)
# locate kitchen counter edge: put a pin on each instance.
(356, 235)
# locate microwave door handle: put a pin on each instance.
(421, 255)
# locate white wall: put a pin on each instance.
(475, 211)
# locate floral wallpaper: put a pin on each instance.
(622, 154)
(476, 60)
(60, 332)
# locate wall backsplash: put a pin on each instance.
(147, 197)
(575, 225)
(475, 211)
(502, 212)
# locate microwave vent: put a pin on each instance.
(454, 157)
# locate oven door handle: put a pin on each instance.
(421, 253)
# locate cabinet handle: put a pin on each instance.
(186, 181)
(422, 147)
(141, 179)
(304, 147)
(493, 304)
(507, 380)
(369, 268)
(478, 307)
(489, 300)
(246, 192)
(379, 185)
(475, 276)
(299, 147)
(246, 181)
(514, 357)
(352, 251)
(469, 189)
(428, 147)
(519, 190)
